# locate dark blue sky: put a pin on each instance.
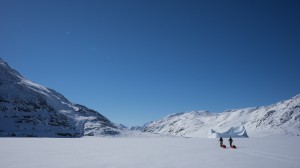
(137, 61)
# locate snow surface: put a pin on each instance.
(148, 152)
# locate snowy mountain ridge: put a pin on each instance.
(29, 109)
(280, 118)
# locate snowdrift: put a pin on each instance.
(236, 132)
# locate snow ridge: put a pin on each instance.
(281, 118)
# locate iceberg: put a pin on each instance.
(235, 132)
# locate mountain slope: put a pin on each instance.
(29, 109)
(279, 118)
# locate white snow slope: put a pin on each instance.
(134, 152)
(282, 118)
(29, 109)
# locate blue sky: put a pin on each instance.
(137, 61)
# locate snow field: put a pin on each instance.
(148, 152)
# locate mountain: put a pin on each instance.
(140, 128)
(280, 118)
(137, 128)
(29, 109)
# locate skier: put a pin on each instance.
(230, 141)
(221, 141)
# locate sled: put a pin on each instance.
(223, 146)
(233, 146)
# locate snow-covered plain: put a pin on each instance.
(148, 152)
